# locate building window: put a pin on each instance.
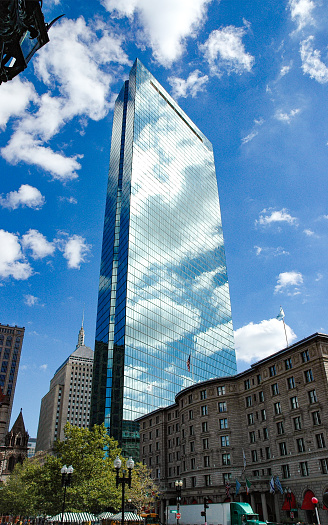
(259, 380)
(277, 408)
(320, 438)
(261, 397)
(203, 394)
(275, 389)
(300, 445)
(223, 407)
(272, 370)
(308, 376)
(247, 384)
(263, 414)
(280, 427)
(225, 441)
(285, 471)
(252, 437)
(265, 433)
(294, 402)
(190, 398)
(193, 481)
(226, 459)
(268, 452)
(204, 410)
(226, 476)
(223, 423)
(304, 468)
(324, 466)
(207, 479)
(305, 356)
(205, 443)
(192, 463)
(254, 456)
(191, 430)
(192, 446)
(191, 414)
(290, 383)
(283, 449)
(297, 423)
(221, 390)
(316, 418)
(204, 426)
(288, 363)
(313, 396)
(250, 419)
(248, 401)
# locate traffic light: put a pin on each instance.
(206, 503)
(203, 513)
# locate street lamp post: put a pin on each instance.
(315, 503)
(123, 480)
(66, 473)
(178, 486)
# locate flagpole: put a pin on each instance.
(285, 331)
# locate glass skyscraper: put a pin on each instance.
(164, 316)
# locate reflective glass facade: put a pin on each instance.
(163, 292)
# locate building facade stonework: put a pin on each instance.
(269, 421)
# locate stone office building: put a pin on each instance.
(270, 420)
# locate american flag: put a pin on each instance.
(188, 363)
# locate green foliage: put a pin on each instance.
(35, 488)
(144, 490)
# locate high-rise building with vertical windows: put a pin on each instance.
(68, 399)
(164, 316)
(11, 341)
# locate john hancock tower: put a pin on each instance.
(164, 315)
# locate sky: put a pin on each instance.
(253, 76)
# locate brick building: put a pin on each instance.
(270, 420)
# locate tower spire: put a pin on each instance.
(80, 339)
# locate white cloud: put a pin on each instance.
(194, 83)
(16, 95)
(31, 300)
(75, 251)
(25, 196)
(37, 242)
(249, 137)
(70, 200)
(267, 251)
(166, 24)
(311, 61)
(286, 117)
(301, 12)
(256, 341)
(284, 70)
(289, 282)
(275, 217)
(224, 50)
(43, 367)
(75, 63)
(12, 260)
(309, 233)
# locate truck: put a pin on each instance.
(233, 513)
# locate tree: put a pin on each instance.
(36, 489)
(144, 489)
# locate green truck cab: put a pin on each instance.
(242, 514)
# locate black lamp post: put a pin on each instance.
(178, 486)
(66, 473)
(22, 32)
(123, 480)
